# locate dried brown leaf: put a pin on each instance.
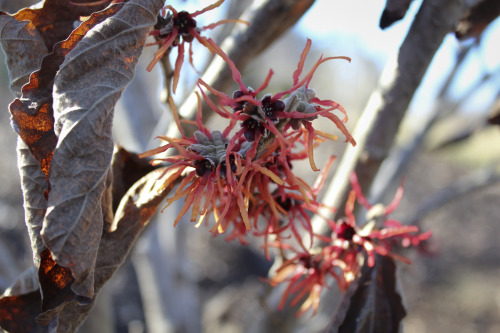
(17, 313)
(56, 19)
(127, 169)
(121, 41)
(32, 114)
(24, 50)
(134, 212)
(21, 303)
(375, 305)
(136, 209)
(86, 88)
(34, 184)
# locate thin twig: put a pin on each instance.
(462, 134)
(168, 73)
(474, 181)
(396, 164)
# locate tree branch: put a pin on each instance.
(377, 127)
(399, 160)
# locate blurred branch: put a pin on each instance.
(477, 18)
(168, 284)
(394, 10)
(236, 9)
(394, 167)
(494, 117)
(474, 181)
(269, 19)
(10, 267)
(377, 127)
(462, 134)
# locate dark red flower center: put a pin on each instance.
(270, 107)
(345, 231)
(288, 203)
(252, 128)
(184, 22)
(203, 167)
(306, 261)
(238, 106)
(232, 166)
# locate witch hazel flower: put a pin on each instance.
(252, 112)
(379, 234)
(176, 28)
(307, 274)
(202, 163)
(292, 109)
(350, 242)
(287, 206)
(215, 174)
(303, 106)
(286, 212)
(346, 251)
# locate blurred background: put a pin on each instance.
(185, 280)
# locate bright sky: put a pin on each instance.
(359, 29)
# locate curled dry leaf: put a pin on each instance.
(36, 128)
(86, 88)
(34, 184)
(127, 169)
(18, 312)
(34, 121)
(56, 19)
(24, 49)
(32, 114)
(135, 210)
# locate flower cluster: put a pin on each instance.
(243, 175)
(177, 28)
(282, 113)
(346, 251)
(246, 177)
